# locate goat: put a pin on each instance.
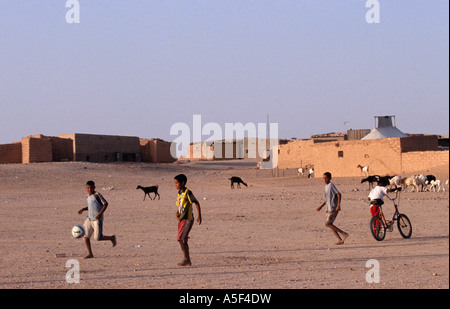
(311, 172)
(364, 169)
(395, 181)
(421, 181)
(300, 171)
(430, 178)
(148, 190)
(237, 180)
(416, 181)
(436, 185)
(411, 182)
(371, 180)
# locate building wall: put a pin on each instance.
(36, 150)
(419, 143)
(62, 149)
(246, 148)
(156, 151)
(422, 160)
(383, 157)
(11, 153)
(296, 154)
(104, 148)
(388, 156)
(200, 151)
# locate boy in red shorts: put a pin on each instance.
(185, 216)
(376, 196)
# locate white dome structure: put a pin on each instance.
(384, 129)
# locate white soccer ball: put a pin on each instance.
(78, 231)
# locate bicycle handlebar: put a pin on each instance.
(397, 190)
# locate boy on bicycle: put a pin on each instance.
(376, 196)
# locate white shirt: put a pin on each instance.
(378, 193)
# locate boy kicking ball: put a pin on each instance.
(93, 225)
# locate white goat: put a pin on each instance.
(396, 181)
(300, 171)
(311, 173)
(436, 185)
(422, 181)
(364, 169)
(411, 181)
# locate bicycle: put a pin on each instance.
(379, 225)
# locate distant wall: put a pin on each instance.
(383, 156)
(62, 149)
(387, 156)
(422, 160)
(104, 148)
(156, 151)
(419, 143)
(36, 150)
(11, 153)
(296, 154)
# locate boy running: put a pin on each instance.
(333, 206)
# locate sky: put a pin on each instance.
(135, 67)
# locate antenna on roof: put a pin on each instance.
(267, 132)
(345, 125)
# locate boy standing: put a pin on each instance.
(93, 225)
(333, 206)
(185, 216)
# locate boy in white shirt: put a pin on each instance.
(376, 196)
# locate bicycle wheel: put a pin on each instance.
(377, 228)
(404, 226)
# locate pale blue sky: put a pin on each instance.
(135, 67)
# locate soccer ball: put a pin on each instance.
(78, 231)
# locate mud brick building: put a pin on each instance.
(85, 147)
(386, 150)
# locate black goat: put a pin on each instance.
(376, 178)
(371, 180)
(237, 180)
(148, 190)
(430, 178)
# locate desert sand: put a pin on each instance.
(264, 236)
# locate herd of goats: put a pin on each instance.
(418, 183)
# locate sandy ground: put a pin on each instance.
(266, 236)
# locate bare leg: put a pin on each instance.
(87, 242)
(185, 249)
(336, 231)
(110, 238)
